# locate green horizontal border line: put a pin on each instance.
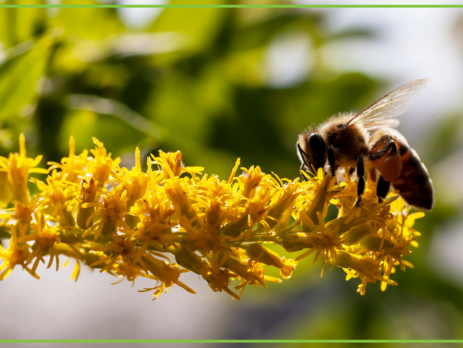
(231, 341)
(224, 6)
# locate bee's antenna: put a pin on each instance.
(302, 153)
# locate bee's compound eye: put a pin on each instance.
(316, 143)
(341, 125)
(317, 150)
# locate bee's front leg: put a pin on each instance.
(331, 161)
(361, 179)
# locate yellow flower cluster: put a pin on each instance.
(172, 219)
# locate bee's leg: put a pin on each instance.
(381, 153)
(303, 155)
(382, 189)
(388, 161)
(361, 179)
(389, 164)
(331, 161)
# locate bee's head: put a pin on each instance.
(312, 151)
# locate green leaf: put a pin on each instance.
(19, 76)
(87, 23)
(197, 25)
(21, 24)
(116, 134)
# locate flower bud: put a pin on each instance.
(356, 233)
(234, 229)
(297, 241)
(360, 265)
(87, 195)
(18, 177)
(166, 272)
(375, 243)
(190, 260)
(259, 253)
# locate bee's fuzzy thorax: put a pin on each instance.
(347, 142)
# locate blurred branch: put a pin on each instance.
(353, 33)
(116, 109)
(16, 50)
(130, 45)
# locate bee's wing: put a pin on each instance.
(391, 105)
(375, 124)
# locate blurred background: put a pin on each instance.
(219, 84)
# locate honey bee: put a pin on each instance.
(368, 141)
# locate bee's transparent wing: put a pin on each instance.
(391, 105)
(376, 124)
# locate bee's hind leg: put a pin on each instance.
(382, 189)
(388, 160)
(390, 167)
(361, 179)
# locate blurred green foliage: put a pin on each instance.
(196, 80)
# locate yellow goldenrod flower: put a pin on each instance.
(55, 200)
(128, 270)
(170, 165)
(18, 167)
(131, 223)
(111, 212)
(14, 255)
(367, 268)
(135, 183)
(167, 274)
(101, 167)
(21, 218)
(259, 253)
(87, 195)
(70, 167)
(44, 239)
(249, 272)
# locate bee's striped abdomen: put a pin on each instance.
(414, 184)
